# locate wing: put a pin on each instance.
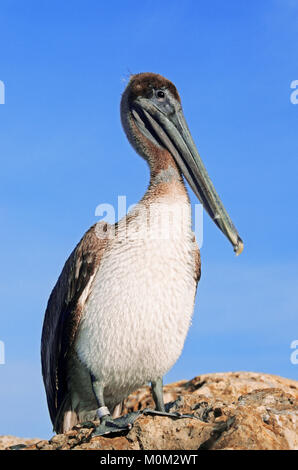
(64, 310)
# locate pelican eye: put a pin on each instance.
(160, 94)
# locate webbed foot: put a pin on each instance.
(120, 425)
(124, 423)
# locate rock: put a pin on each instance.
(7, 441)
(235, 410)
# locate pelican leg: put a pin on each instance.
(107, 423)
(102, 411)
(157, 393)
(160, 410)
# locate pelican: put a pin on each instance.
(120, 311)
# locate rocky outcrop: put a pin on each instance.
(239, 410)
(7, 441)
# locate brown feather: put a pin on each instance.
(63, 315)
(141, 84)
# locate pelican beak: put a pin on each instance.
(171, 131)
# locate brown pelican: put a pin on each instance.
(120, 311)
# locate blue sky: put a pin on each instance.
(63, 152)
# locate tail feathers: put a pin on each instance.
(66, 417)
(70, 419)
(118, 410)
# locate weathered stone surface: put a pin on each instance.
(7, 441)
(235, 410)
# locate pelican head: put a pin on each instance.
(153, 121)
